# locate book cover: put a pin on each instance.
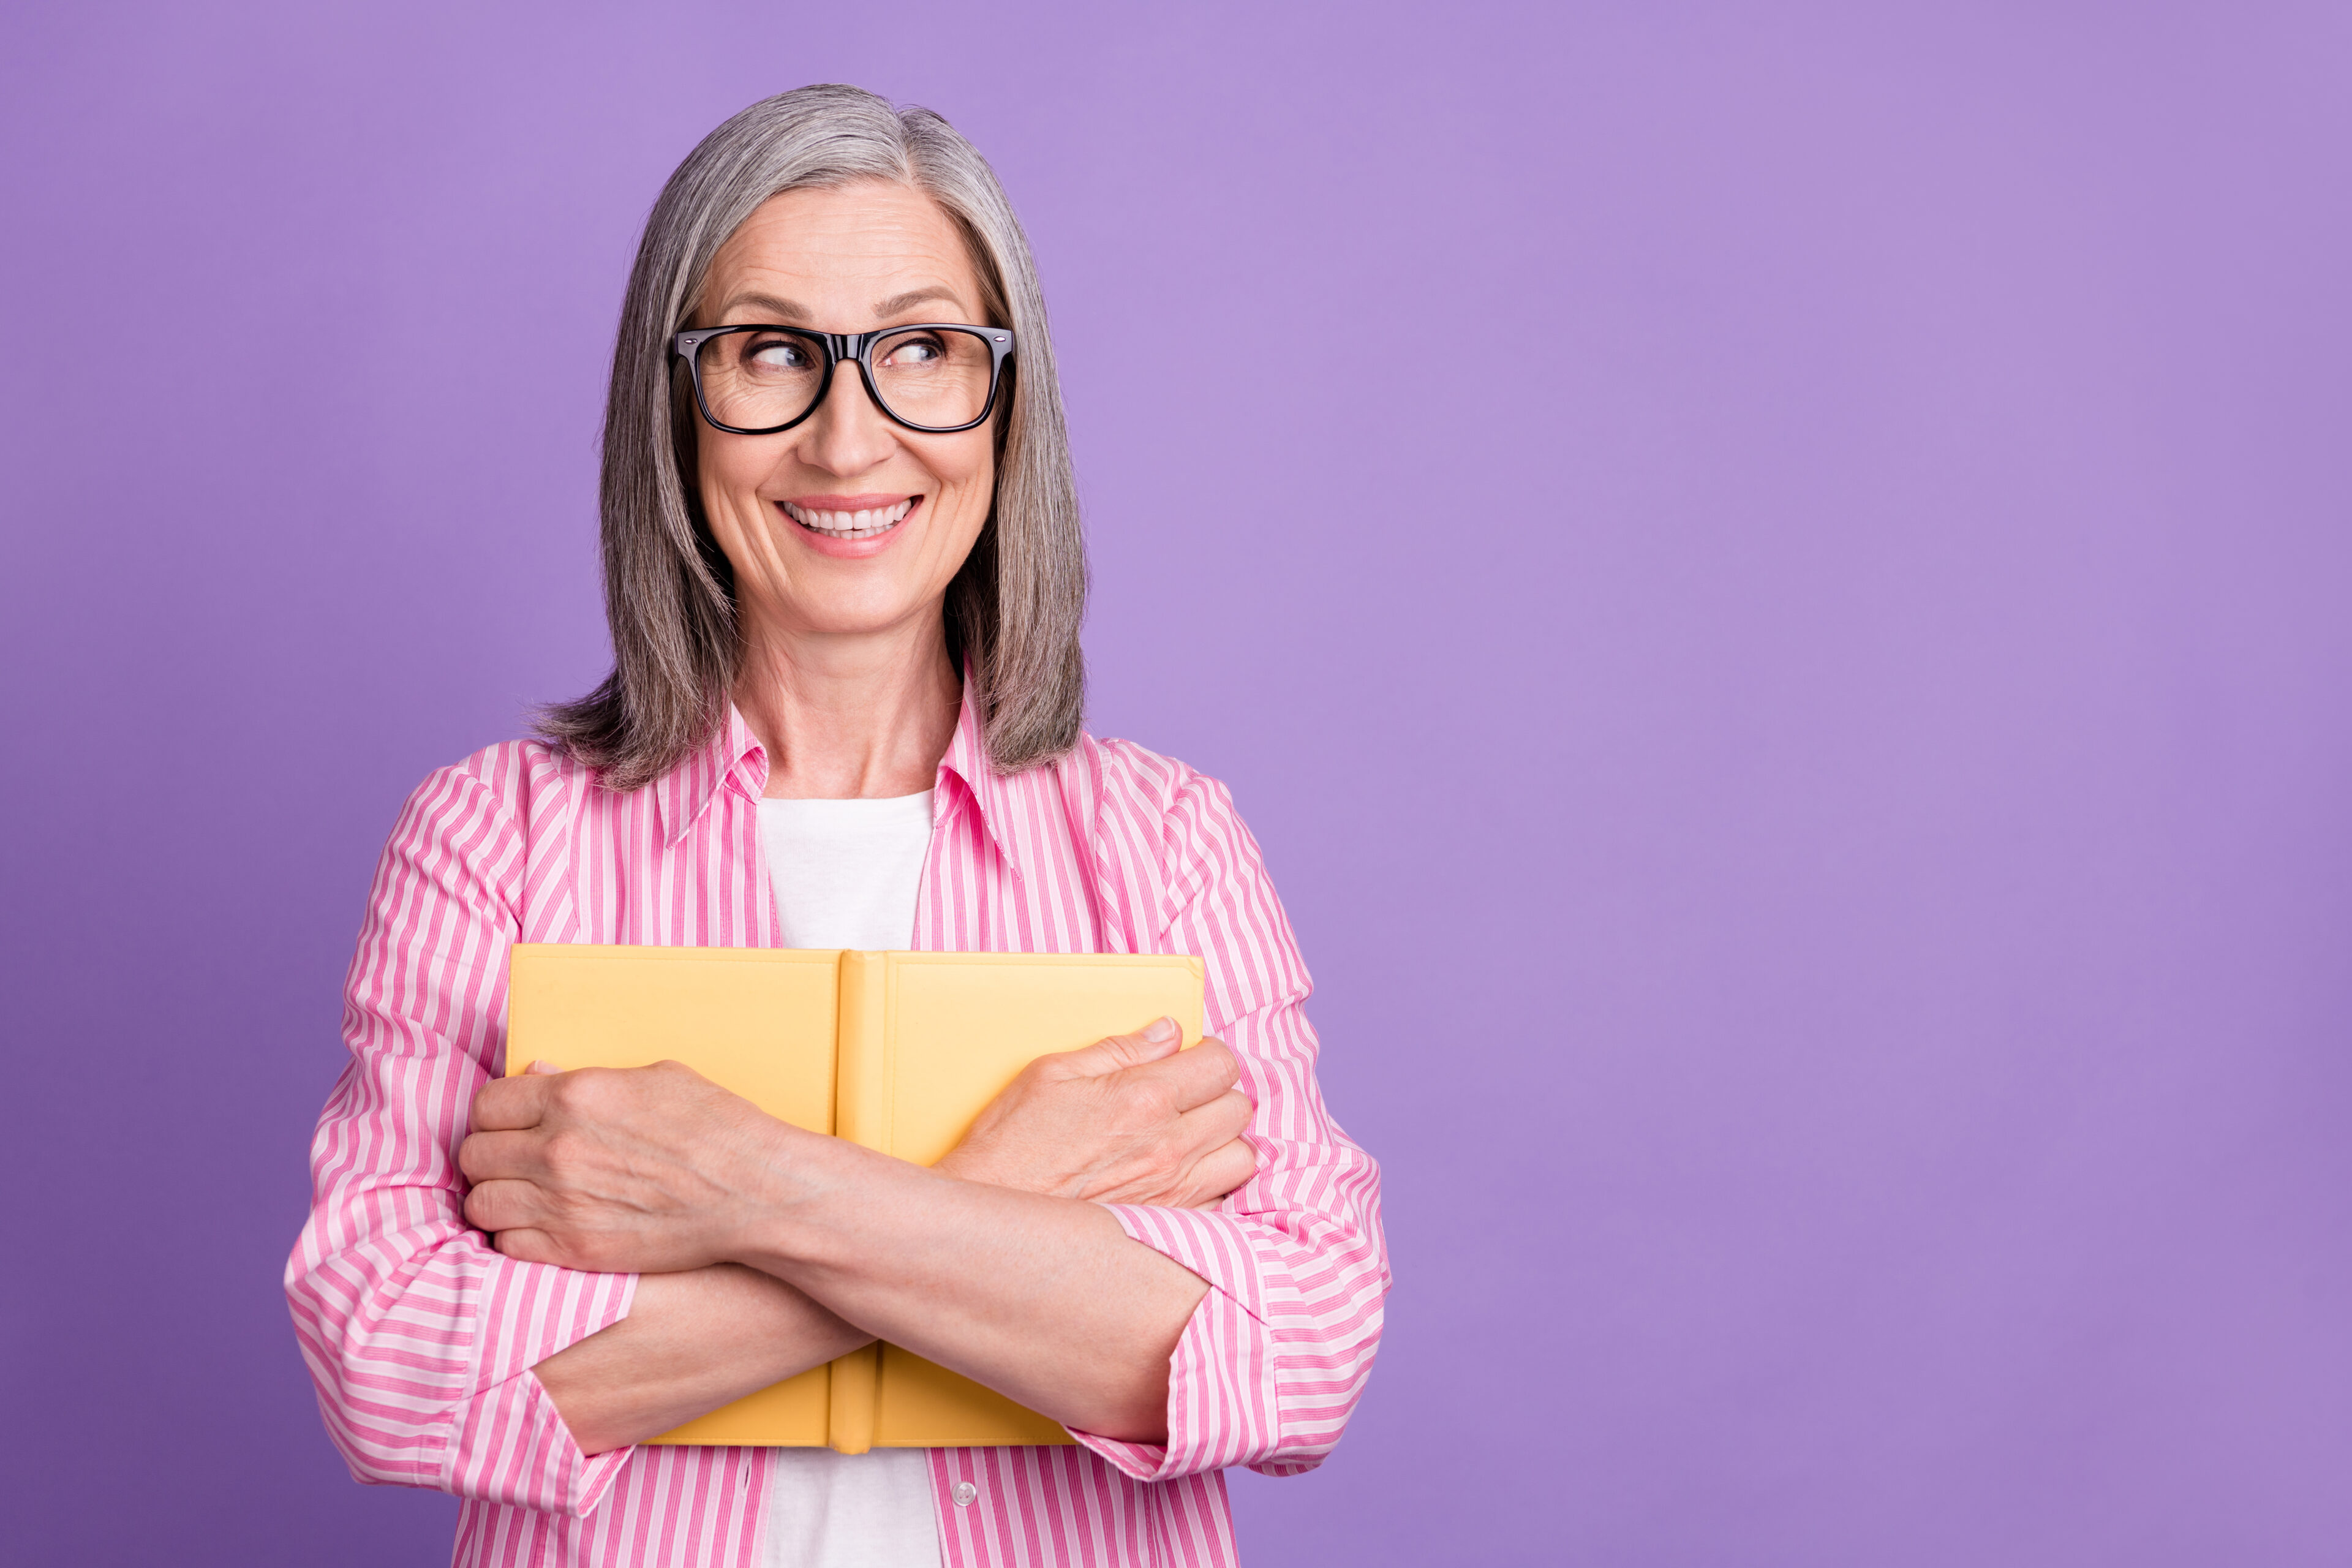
(896, 1051)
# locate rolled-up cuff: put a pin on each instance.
(513, 1448)
(1211, 1244)
(1221, 1405)
(525, 1313)
(510, 1443)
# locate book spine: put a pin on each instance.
(862, 1072)
(861, 1113)
(853, 1389)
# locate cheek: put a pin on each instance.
(969, 477)
(722, 466)
(728, 474)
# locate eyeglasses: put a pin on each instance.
(758, 380)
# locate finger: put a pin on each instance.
(504, 1104)
(502, 1156)
(527, 1246)
(1205, 1129)
(1221, 1121)
(499, 1207)
(1222, 1171)
(1159, 1039)
(1196, 1076)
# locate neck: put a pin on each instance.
(849, 717)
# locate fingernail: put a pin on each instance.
(542, 1067)
(1161, 1032)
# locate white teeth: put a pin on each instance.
(850, 524)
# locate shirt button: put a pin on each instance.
(965, 1491)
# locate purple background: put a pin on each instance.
(1775, 588)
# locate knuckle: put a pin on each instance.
(582, 1090)
(1143, 1100)
(1115, 1052)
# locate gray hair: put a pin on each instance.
(1014, 608)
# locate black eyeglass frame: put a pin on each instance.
(854, 346)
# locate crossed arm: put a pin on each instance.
(766, 1249)
(435, 1354)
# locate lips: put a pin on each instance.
(865, 522)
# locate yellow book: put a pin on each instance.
(897, 1051)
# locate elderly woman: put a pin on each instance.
(845, 578)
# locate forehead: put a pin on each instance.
(841, 252)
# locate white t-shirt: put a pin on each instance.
(846, 874)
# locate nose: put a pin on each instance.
(848, 435)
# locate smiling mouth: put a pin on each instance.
(867, 525)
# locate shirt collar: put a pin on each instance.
(734, 759)
(967, 762)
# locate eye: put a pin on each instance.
(915, 352)
(778, 354)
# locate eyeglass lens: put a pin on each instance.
(928, 375)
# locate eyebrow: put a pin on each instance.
(784, 310)
(897, 302)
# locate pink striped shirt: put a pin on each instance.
(420, 1337)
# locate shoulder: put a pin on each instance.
(1176, 840)
(1186, 816)
(502, 787)
(1145, 787)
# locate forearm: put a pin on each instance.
(691, 1343)
(1046, 1300)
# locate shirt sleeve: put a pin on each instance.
(419, 1335)
(1274, 1359)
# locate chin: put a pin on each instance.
(851, 616)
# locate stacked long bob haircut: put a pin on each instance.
(1014, 608)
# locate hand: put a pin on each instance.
(1133, 1119)
(650, 1170)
